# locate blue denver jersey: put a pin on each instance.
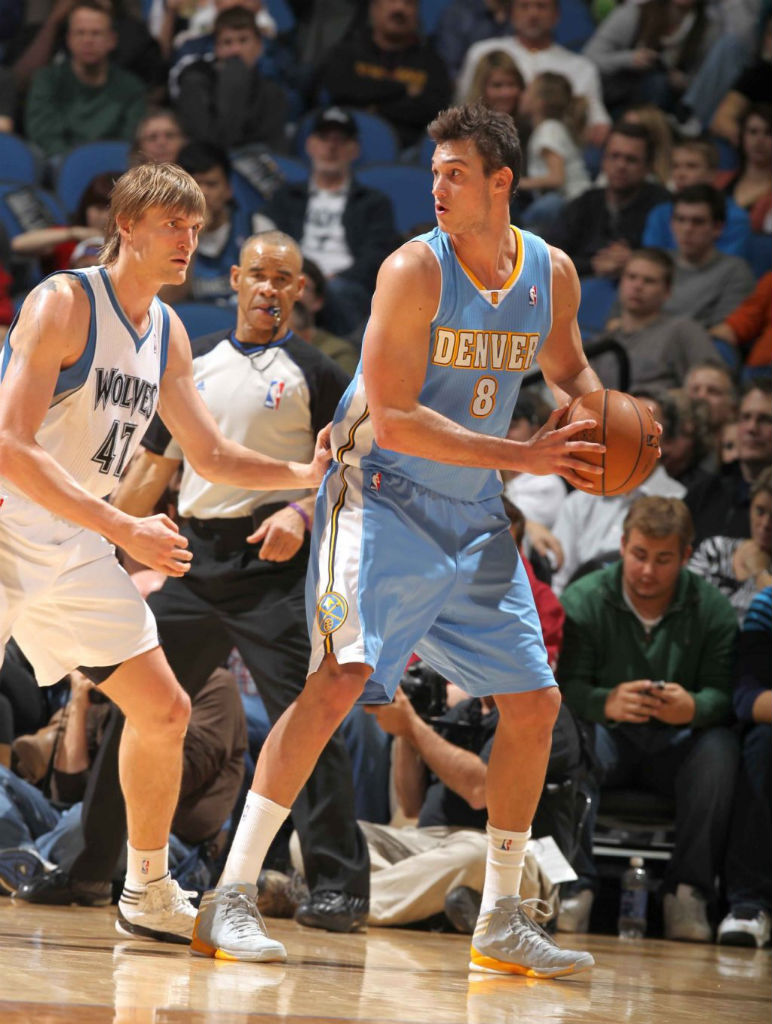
(482, 342)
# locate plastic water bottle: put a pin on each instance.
(633, 900)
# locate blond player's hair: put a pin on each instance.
(164, 185)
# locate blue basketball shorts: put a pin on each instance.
(397, 569)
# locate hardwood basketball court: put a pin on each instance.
(68, 964)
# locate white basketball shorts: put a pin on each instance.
(63, 596)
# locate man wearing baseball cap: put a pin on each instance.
(345, 228)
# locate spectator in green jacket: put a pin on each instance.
(87, 97)
(647, 658)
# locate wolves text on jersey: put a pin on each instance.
(484, 350)
(125, 390)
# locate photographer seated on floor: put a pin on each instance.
(440, 757)
(41, 833)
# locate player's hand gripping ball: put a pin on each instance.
(628, 430)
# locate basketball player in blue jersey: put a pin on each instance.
(411, 549)
(83, 367)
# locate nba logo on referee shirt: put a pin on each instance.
(274, 393)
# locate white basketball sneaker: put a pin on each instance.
(507, 941)
(160, 910)
(229, 927)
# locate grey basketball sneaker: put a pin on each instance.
(507, 941)
(159, 910)
(229, 926)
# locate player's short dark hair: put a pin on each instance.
(706, 194)
(236, 18)
(200, 157)
(660, 257)
(634, 131)
(493, 133)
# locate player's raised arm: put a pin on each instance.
(395, 351)
(209, 452)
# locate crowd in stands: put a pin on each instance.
(647, 140)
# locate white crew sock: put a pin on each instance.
(143, 866)
(261, 819)
(503, 865)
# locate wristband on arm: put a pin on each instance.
(302, 513)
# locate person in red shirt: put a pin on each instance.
(749, 326)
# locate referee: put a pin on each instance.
(270, 391)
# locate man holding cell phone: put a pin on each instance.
(647, 658)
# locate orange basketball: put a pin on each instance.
(627, 428)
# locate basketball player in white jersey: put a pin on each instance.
(411, 549)
(85, 362)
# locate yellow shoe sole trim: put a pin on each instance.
(202, 948)
(479, 962)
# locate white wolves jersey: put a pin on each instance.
(103, 403)
(482, 342)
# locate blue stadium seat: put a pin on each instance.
(281, 12)
(409, 189)
(429, 12)
(245, 196)
(425, 152)
(83, 163)
(728, 157)
(751, 373)
(377, 139)
(575, 25)
(598, 295)
(759, 253)
(728, 353)
(295, 171)
(18, 161)
(201, 318)
(25, 207)
(592, 156)
(253, 175)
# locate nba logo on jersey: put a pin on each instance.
(532, 295)
(273, 396)
(375, 482)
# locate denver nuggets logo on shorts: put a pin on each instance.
(331, 612)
